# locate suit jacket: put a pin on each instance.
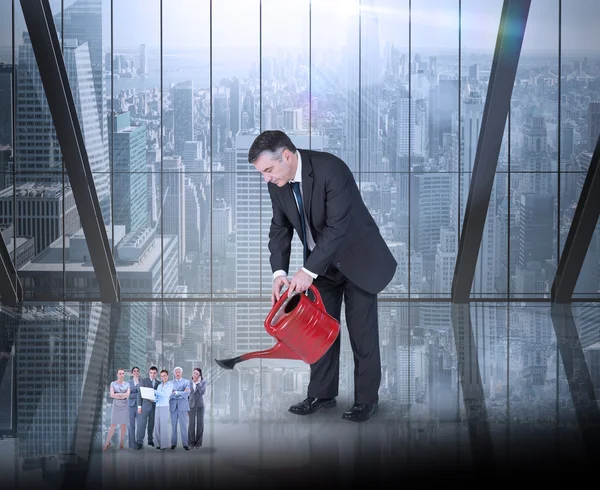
(196, 396)
(179, 400)
(345, 233)
(133, 393)
(146, 405)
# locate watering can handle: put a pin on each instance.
(277, 306)
(318, 299)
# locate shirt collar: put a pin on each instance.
(298, 176)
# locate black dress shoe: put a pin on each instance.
(311, 405)
(150, 443)
(173, 447)
(360, 412)
(139, 446)
(186, 448)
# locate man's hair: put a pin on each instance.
(178, 367)
(153, 368)
(273, 142)
(165, 371)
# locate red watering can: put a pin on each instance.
(302, 328)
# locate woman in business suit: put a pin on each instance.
(196, 425)
(345, 256)
(119, 392)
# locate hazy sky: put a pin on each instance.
(435, 23)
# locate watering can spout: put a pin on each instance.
(278, 351)
(228, 363)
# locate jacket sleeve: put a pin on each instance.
(203, 387)
(139, 394)
(339, 189)
(280, 235)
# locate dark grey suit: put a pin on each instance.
(134, 417)
(196, 427)
(352, 261)
(148, 411)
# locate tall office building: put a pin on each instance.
(292, 119)
(82, 20)
(143, 60)
(445, 258)
(537, 160)
(128, 149)
(593, 123)
(37, 150)
(371, 153)
(6, 104)
(48, 207)
(6, 162)
(221, 118)
(182, 97)
(405, 127)
(471, 117)
(235, 100)
(536, 229)
(430, 210)
(173, 205)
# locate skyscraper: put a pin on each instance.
(82, 20)
(183, 114)
(37, 150)
(593, 121)
(371, 153)
(143, 60)
(173, 205)
(50, 209)
(129, 180)
(6, 104)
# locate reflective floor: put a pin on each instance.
(478, 392)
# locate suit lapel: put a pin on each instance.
(307, 184)
(292, 209)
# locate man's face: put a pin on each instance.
(152, 374)
(178, 373)
(274, 171)
(164, 377)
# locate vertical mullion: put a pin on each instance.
(162, 228)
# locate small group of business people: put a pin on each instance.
(177, 402)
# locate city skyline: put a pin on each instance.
(187, 216)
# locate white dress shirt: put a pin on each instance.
(309, 238)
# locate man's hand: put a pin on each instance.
(278, 283)
(139, 410)
(300, 282)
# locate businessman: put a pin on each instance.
(179, 407)
(345, 257)
(147, 409)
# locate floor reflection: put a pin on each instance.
(468, 391)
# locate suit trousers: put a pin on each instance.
(181, 417)
(146, 418)
(134, 417)
(363, 329)
(196, 430)
(162, 427)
